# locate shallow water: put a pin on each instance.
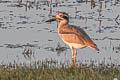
(25, 37)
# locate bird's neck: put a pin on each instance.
(62, 25)
(63, 22)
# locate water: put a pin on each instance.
(25, 37)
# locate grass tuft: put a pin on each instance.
(46, 70)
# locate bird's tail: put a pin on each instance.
(94, 47)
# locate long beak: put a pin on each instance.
(54, 19)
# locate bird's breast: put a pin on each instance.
(75, 45)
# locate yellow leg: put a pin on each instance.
(72, 55)
(75, 56)
(72, 52)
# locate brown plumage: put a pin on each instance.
(72, 35)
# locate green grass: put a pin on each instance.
(43, 71)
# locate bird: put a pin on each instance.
(74, 36)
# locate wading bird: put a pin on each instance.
(72, 35)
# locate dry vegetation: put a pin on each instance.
(54, 71)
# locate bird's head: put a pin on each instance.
(60, 17)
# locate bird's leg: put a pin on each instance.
(72, 55)
(72, 52)
(75, 56)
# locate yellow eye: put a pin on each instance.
(61, 15)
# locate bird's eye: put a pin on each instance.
(65, 17)
(61, 15)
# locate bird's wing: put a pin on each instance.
(71, 38)
(73, 34)
(68, 34)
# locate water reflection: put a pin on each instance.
(59, 49)
(28, 53)
(117, 20)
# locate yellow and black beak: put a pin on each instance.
(54, 19)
